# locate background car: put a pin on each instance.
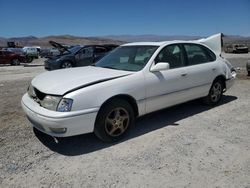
(77, 56)
(9, 57)
(237, 48)
(31, 53)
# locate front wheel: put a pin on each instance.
(113, 120)
(66, 64)
(215, 93)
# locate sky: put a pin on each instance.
(124, 17)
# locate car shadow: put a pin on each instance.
(87, 143)
(5, 65)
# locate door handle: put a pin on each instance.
(184, 74)
(213, 69)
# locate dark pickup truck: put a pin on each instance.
(76, 56)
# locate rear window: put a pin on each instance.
(198, 54)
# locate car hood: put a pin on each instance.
(60, 47)
(63, 81)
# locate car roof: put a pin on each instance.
(98, 45)
(162, 43)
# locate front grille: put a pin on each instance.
(40, 95)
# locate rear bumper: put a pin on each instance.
(230, 81)
(59, 124)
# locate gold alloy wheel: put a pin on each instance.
(117, 122)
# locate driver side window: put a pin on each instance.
(85, 53)
(171, 54)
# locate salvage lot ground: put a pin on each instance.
(189, 145)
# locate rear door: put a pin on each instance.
(201, 67)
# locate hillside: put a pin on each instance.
(64, 39)
(111, 39)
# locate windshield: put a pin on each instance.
(73, 49)
(128, 58)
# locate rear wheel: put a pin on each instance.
(114, 120)
(66, 64)
(15, 62)
(215, 93)
(29, 59)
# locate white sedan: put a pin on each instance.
(133, 80)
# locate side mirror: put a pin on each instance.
(161, 66)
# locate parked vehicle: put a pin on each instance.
(38, 48)
(132, 80)
(77, 56)
(248, 67)
(31, 53)
(18, 51)
(237, 48)
(9, 57)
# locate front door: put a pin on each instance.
(168, 87)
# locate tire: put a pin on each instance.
(248, 67)
(114, 120)
(29, 59)
(15, 62)
(66, 64)
(215, 93)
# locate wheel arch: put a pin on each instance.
(127, 98)
(223, 79)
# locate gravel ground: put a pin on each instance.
(189, 145)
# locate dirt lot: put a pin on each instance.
(189, 145)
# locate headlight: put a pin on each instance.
(31, 91)
(65, 105)
(50, 102)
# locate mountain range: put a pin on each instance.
(109, 39)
